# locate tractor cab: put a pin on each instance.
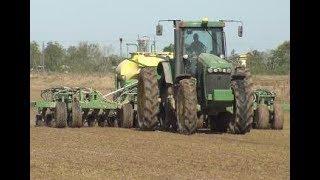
(197, 39)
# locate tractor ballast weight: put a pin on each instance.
(267, 112)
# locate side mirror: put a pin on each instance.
(159, 30)
(240, 31)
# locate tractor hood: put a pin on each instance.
(210, 60)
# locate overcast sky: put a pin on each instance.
(266, 22)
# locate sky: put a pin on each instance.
(266, 23)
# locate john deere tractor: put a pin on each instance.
(199, 88)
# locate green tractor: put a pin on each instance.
(267, 112)
(199, 87)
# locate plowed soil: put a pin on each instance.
(117, 153)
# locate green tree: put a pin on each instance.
(54, 55)
(279, 61)
(86, 57)
(109, 63)
(256, 61)
(169, 48)
(35, 54)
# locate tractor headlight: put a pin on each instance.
(210, 69)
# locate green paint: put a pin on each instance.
(210, 60)
(130, 81)
(96, 101)
(222, 95)
(45, 104)
(98, 104)
(264, 96)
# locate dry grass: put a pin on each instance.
(279, 84)
(116, 153)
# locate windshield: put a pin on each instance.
(199, 40)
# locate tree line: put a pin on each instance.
(85, 57)
(92, 57)
(274, 61)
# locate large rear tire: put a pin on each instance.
(277, 122)
(126, 116)
(263, 117)
(148, 104)
(61, 115)
(243, 104)
(187, 106)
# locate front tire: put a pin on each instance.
(243, 103)
(187, 106)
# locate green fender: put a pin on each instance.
(164, 68)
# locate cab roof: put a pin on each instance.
(199, 24)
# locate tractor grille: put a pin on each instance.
(217, 81)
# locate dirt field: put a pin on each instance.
(109, 153)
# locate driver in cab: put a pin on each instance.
(197, 46)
